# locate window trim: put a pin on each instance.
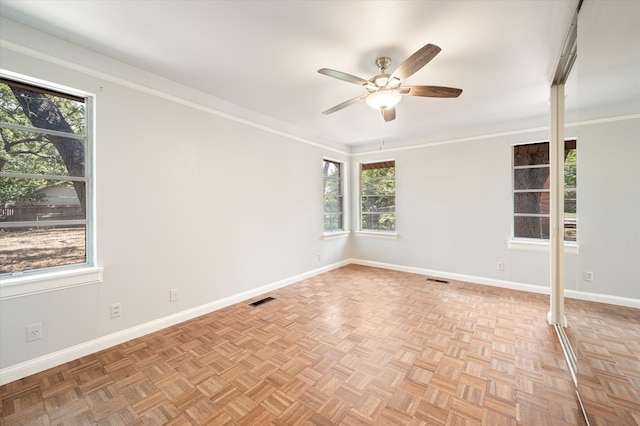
(42, 282)
(386, 235)
(539, 245)
(383, 233)
(536, 244)
(24, 283)
(343, 189)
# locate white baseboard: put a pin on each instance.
(36, 365)
(603, 298)
(458, 277)
(572, 294)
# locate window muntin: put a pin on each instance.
(43, 179)
(531, 191)
(378, 196)
(333, 200)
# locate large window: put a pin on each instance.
(333, 196)
(531, 190)
(44, 179)
(378, 196)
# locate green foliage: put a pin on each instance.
(570, 169)
(378, 199)
(31, 152)
(332, 196)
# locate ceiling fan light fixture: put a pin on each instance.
(383, 99)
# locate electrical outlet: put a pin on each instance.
(500, 266)
(34, 332)
(116, 310)
(173, 294)
(319, 257)
(588, 276)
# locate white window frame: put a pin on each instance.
(343, 169)
(392, 234)
(23, 283)
(534, 244)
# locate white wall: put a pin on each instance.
(454, 208)
(187, 198)
(454, 212)
(606, 88)
(608, 203)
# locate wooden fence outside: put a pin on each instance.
(10, 213)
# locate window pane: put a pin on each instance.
(378, 204)
(23, 249)
(570, 202)
(379, 186)
(377, 196)
(378, 173)
(42, 218)
(378, 221)
(531, 202)
(532, 190)
(333, 222)
(531, 227)
(332, 204)
(60, 113)
(332, 186)
(38, 200)
(34, 153)
(570, 175)
(332, 169)
(534, 178)
(570, 227)
(531, 154)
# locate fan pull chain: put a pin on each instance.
(382, 128)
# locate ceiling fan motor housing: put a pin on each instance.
(383, 63)
(383, 80)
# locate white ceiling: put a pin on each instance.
(264, 56)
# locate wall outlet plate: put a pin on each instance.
(116, 310)
(34, 332)
(173, 295)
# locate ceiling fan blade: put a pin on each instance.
(433, 91)
(389, 114)
(416, 61)
(343, 76)
(344, 104)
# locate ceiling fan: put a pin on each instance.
(384, 91)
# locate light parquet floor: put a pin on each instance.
(354, 346)
(606, 340)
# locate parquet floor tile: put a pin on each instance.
(606, 341)
(354, 346)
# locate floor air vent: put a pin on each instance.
(438, 281)
(261, 301)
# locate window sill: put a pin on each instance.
(378, 234)
(334, 235)
(49, 281)
(540, 246)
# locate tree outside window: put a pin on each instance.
(333, 196)
(531, 191)
(43, 178)
(378, 196)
